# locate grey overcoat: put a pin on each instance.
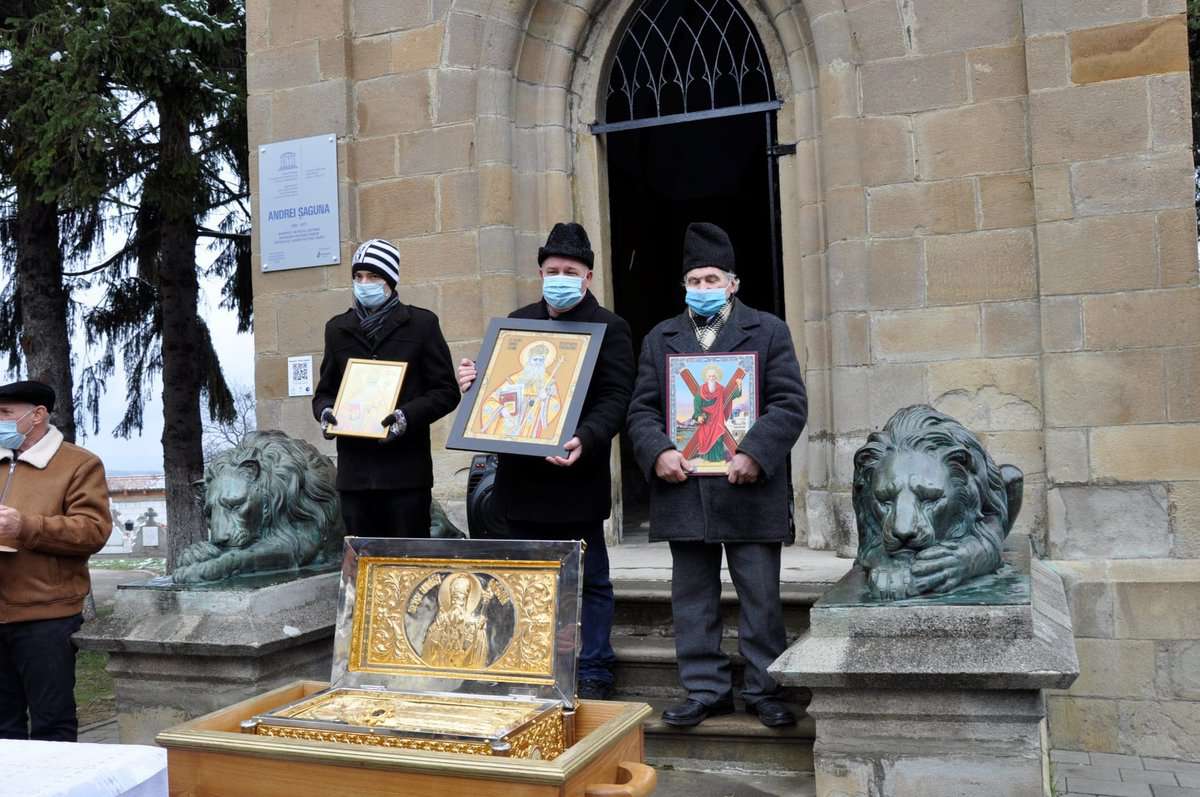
(709, 508)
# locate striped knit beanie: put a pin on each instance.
(379, 257)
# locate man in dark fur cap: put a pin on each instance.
(569, 496)
(745, 510)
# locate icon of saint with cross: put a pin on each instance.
(712, 404)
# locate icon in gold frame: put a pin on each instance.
(368, 392)
(533, 378)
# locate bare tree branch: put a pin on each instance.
(219, 436)
(205, 232)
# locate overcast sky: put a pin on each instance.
(143, 454)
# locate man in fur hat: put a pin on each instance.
(745, 511)
(54, 514)
(569, 496)
(386, 486)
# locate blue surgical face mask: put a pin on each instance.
(9, 436)
(706, 301)
(370, 294)
(562, 291)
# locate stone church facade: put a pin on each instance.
(989, 208)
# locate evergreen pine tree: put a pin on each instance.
(56, 162)
(187, 59)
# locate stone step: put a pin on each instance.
(734, 742)
(646, 668)
(643, 608)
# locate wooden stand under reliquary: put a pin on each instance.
(454, 674)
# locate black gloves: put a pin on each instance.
(396, 424)
(327, 420)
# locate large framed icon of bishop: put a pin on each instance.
(712, 401)
(533, 377)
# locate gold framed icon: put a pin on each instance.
(368, 392)
(534, 376)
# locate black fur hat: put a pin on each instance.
(568, 240)
(707, 244)
(35, 393)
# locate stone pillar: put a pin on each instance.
(937, 695)
(176, 653)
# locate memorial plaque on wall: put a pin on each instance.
(298, 203)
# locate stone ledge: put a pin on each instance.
(929, 622)
(1133, 599)
(216, 622)
(912, 716)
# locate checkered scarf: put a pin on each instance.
(707, 329)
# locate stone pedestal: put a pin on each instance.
(932, 743)
(935, 697)
(177, 652)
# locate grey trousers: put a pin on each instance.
(696, 605)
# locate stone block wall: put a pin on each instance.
(1010, 235)
(931, 253)
(1111, 148)
(1136, 630)
(451, 126)
(377, 75)
(990, 210)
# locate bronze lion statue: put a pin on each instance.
(270, 504)
(932, 506)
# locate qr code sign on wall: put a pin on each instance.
(300, 375)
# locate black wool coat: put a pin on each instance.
(531, 489)
(430, 391)
(709, 508)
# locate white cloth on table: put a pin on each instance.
(62, 769)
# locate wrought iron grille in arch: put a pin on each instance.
(680, 58)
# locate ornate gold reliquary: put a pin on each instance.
(459, 646)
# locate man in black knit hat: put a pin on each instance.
(744, 512)
(569, 496)
(386, 485)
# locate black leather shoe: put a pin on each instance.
(592, 689)
(693, 712)
(772, 712)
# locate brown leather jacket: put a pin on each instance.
(62, 495)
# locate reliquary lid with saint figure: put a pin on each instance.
(477, 617)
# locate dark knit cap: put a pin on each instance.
(379, 257)
(567, 240)
(706, 245)
(35, 393)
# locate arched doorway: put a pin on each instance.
(690, 136)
